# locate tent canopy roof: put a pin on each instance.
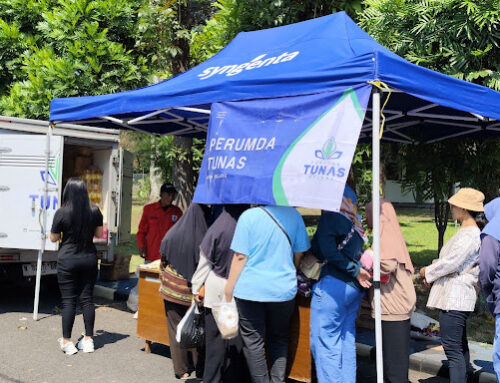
(309, 57)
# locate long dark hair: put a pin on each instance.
(76, 202)
(479, 217)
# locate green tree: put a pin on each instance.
(234, 16)
(460, 38)
(66, 48)
(159, 151)
(432, 171)
(482, 166)
(166, 30)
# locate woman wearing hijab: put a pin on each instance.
(337, 295)
(397, 296)
(224, 360)
(180, 255)
(454, 279)
(489, 271)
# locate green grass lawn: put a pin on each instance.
(421, 237)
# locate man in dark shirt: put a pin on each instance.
(157, 218)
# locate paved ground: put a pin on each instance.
(29, 351)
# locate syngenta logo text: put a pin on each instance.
(323, 165)
(258, 62)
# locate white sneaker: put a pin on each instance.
(68, 348)
(87, 345)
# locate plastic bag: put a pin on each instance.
(133, 298)
(310, 266)
(227, 319)
(191, 329)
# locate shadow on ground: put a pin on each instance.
(102, 338)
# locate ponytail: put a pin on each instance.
(479, 217)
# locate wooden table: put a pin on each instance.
(152, 325)
(151, 318)
(299, 350)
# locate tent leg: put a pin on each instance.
(376, 230)
(43, 225)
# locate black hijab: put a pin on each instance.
(181, 244)
(217, 242)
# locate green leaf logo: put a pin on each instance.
(329, 148)
(55, 171)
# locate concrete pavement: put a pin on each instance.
(29, 351)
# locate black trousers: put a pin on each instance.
(224, 359)
(261, 323)
(180, 356)
(455, 345)
(77, 274)
(396, 350)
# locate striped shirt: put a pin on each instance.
(455, 273)
(174, 287)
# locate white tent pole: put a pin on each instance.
(44, 224)
(376, 229)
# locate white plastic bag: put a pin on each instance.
(133, 298)
(227, 319)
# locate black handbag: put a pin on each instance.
(193, 330)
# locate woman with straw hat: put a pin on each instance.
(454, 279)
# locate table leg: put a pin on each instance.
(147, 346)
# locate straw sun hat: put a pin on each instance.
(469, 199)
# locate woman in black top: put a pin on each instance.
(76, 222)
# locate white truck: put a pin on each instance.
(73, 148)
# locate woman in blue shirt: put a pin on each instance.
(337, 295)
(268, 243)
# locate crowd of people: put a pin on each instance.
(253, 254)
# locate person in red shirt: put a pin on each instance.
(157, 218)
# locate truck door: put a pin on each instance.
(22, 177)
(125, 205)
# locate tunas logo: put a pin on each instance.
(51, 180)
(258, 62)
(315, 165)
(328, 151)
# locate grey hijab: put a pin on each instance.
(181, 245)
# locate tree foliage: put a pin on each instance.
(234, 16)
(457, 37)
(166, 29)
(432, 171)
(460, 38)
(161, 151)
(481, 166)
(66, 48)
(166, 32)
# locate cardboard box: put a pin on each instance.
(116, 270)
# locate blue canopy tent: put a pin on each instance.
(306, 58)
(309, 57)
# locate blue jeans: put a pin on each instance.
(496, 347)
(453, 326)
(334, 307)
